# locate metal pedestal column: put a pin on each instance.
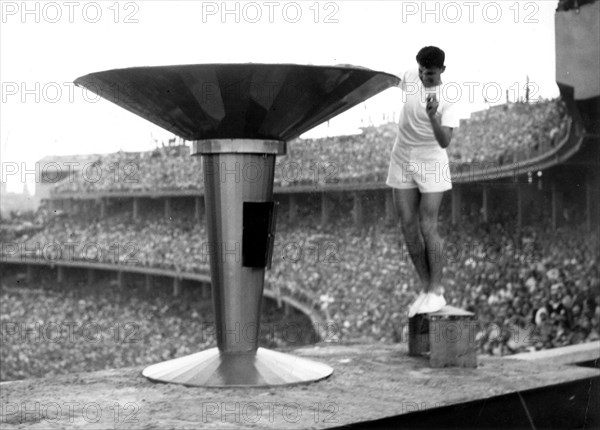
(238, 180)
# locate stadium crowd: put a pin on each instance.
(106, 332)
(529, 290)
(165, 168)
(49, 328)
(517, 281)
(509, 133)
(116, 240)
(501, 135)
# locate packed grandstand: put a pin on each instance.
(530, 289)
(485, 137)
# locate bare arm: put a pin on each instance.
(442, 134)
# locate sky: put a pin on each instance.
(490, 47)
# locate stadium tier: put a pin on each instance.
(500, 135)
(530, 289)
(82, 329)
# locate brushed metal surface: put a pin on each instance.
(246, 146)
(238, 101)
(212, 368)
(237, 290)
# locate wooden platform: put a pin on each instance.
(567, 354)
(447, 337)
(370, 381)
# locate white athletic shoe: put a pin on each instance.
(412, 310)
(432, 303)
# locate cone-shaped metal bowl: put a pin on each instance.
(238, 101)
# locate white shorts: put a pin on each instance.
(426, 168)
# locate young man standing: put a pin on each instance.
(419, 171)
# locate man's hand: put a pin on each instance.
(432, 106)
(443, 135)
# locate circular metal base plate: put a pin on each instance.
(211, 368)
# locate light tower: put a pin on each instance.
(239, 118)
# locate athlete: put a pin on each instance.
(419, 171)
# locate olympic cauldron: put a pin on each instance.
(238, 117)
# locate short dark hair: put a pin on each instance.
(431, 56)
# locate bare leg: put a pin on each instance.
(407, 204)
(428, 213)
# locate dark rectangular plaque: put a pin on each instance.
(257, 224)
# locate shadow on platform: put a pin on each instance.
(571, 405)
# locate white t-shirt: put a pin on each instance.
(414, 126)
